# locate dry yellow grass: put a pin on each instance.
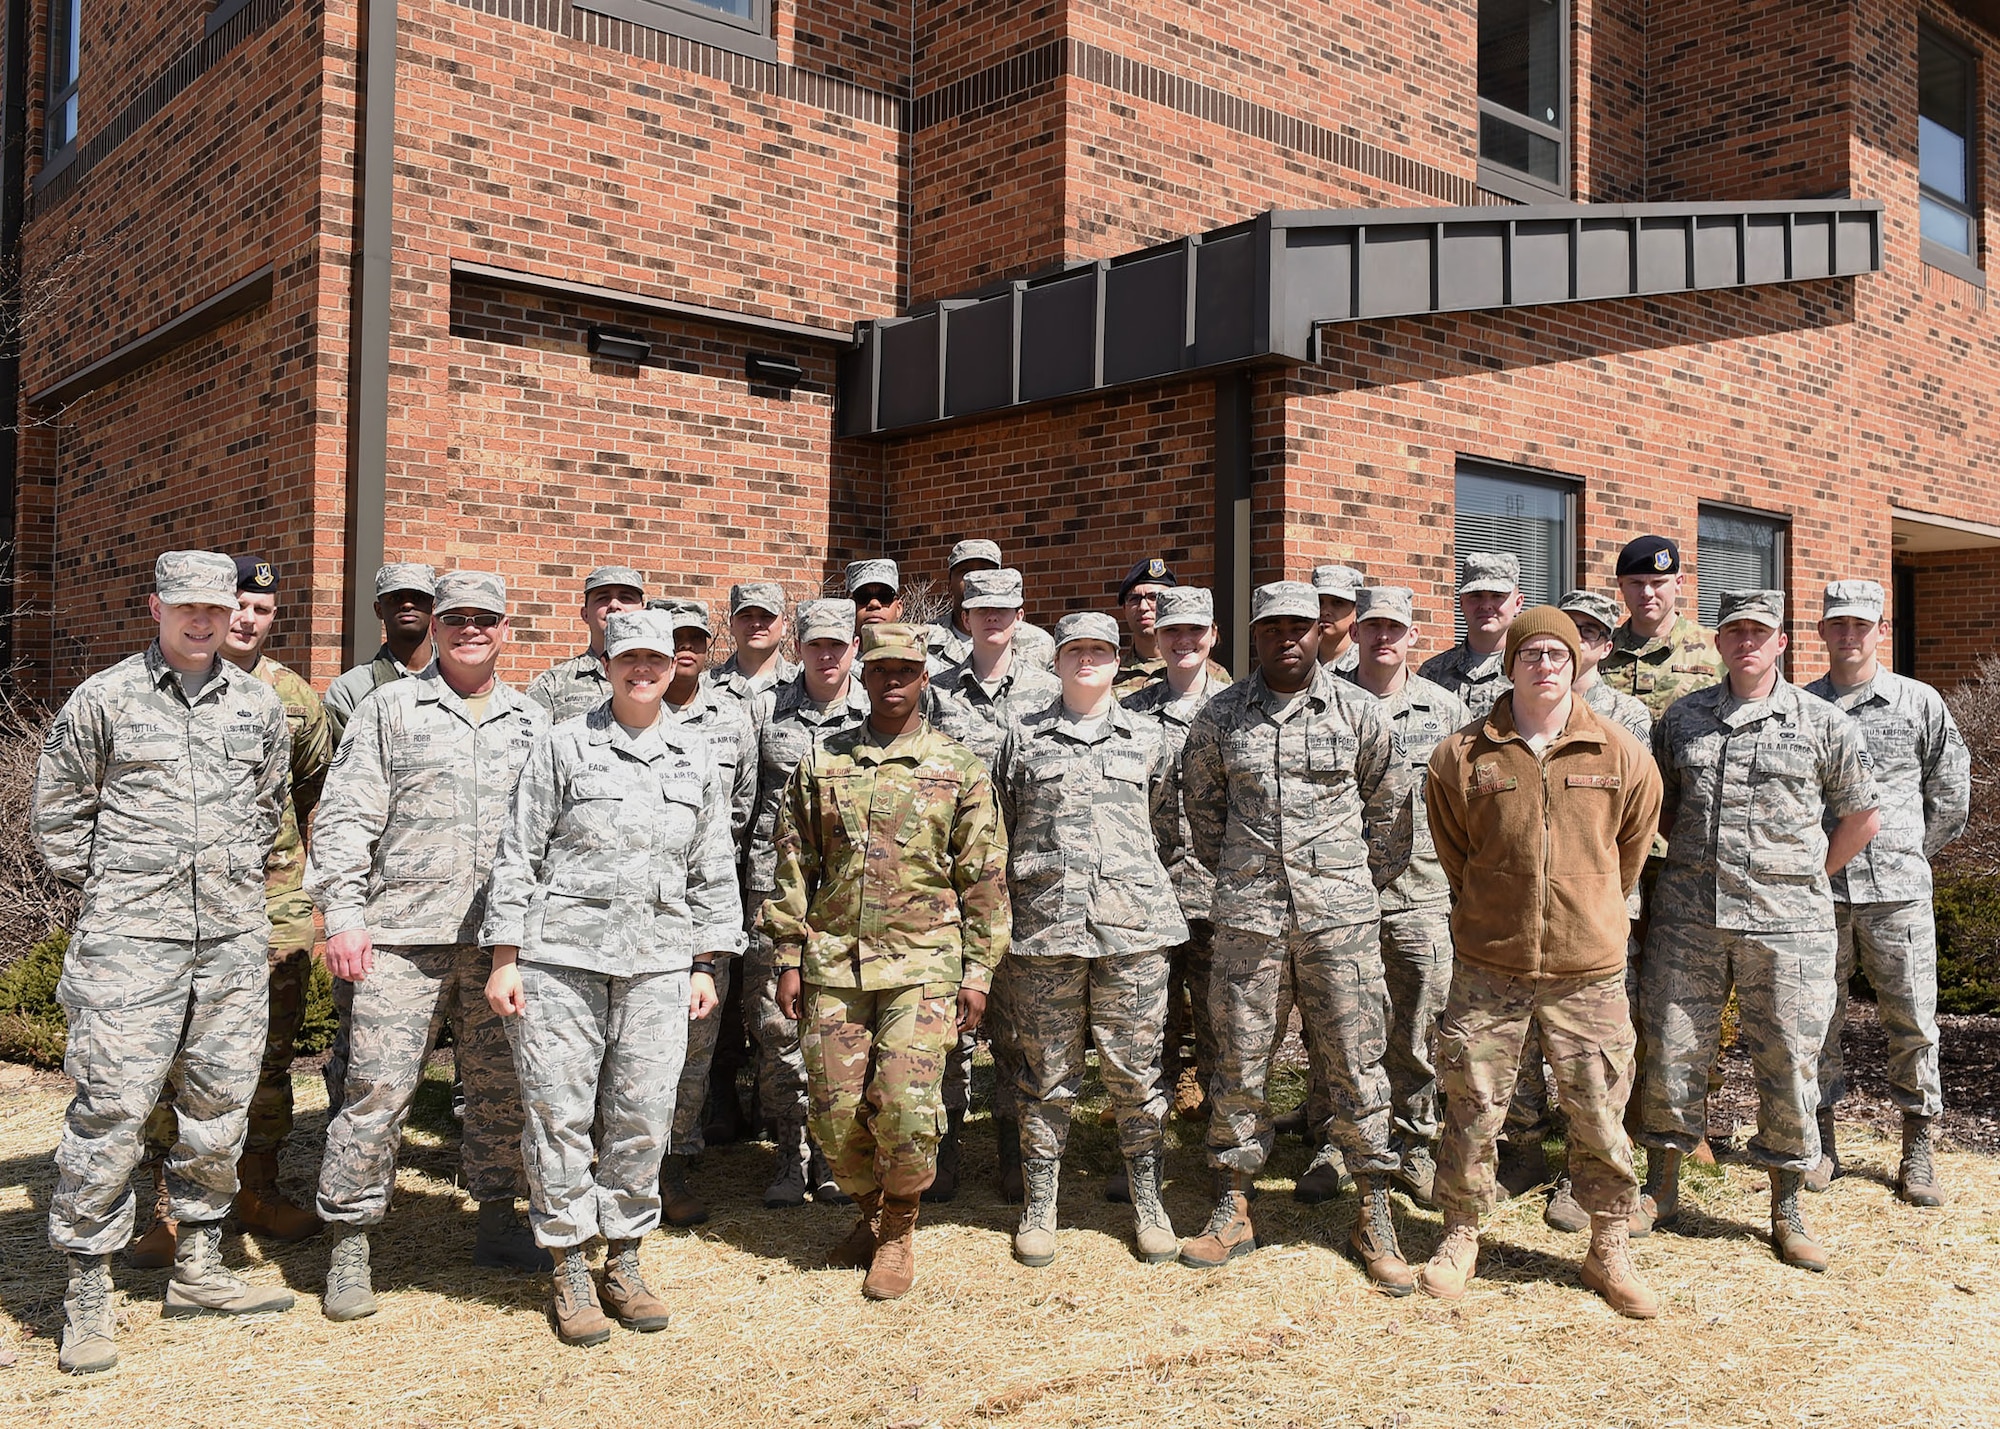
(1905, 1330)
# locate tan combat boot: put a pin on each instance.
(155, 1249)
(626, 1295)
(1789, 1237)
(203, 1285)
(680, 1206)
(1374, 1239)
(578, 1318)
(260, 1207)
(1660, 1202)
(1562, 1213)
(894, 1268)
(350, 1281)
(1916, 1178)
(1607, 1269)
(90, 1324)
(1453, 1263)
(1035, 1237)
(1826, 1170)
(1154, 1232)
(857, 1251)
(1229, 1233)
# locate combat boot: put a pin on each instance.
(857, 1251)
(819, 1180)
(261, 1209)
(1157, 1244)
(350, 1283)
(1229, 1232)
(1826, 1170)
(1290, 1123)
(203, 1285)
(1007, 1143)
(788, 1187)
(944, 1184)
(1562, 1212)
(1660, 1202)
(1035, 1239)
(1323, 1180)
(575, 1312)
(1374, 1239)
(894, 1268)
(1524, 1165)
(1453, 1264)
(90, 1324)
(155, 1249)
(1190, 1096)
(1789, 1237)
(1416, 1173)
(1916, 1178)
(1607, 1269)
(626, 1295)
(504, 1241)
(678, 1205)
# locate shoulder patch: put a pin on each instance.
(54, 737)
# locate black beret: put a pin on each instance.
(256, 573)
(1151, 571)
(1649, 556)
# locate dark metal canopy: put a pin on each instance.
(1255, 293)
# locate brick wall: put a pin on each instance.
(1954, 622)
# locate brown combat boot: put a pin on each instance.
(1660, 1203)
(857, 1251)
(1374, 1239)
(1789, 1237)
(1916, 1178)
(625, 1293)
(944, 1183)
(1229, 1233)
(575, 1313)
(1451, 1266)
(894, 1268)
(1607, 1269)
(155, 1249)
(679, 1206)
(261, 1209)
(1826, 1170)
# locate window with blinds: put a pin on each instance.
(1532, 517)
(1736, 551)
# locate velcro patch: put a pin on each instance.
(1594, 781)
(1491, 786)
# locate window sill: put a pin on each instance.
(671, 20)
(1510, 183)
(1950, 260)
(57, 162)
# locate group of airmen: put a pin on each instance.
(1515, 889)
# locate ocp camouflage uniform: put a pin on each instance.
(891, 895)
(1137, 671)
(572, 687)
(1660, 669)
(1882, 899)
(1745, 899)
(348, 689)
(402, 848)
(1087, 806)
(1477, 680)
(1283, 798)
(614, 869)
(949, 646)
(164, 812)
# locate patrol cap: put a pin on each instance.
(893, 640)
(615, 575)
(195, 578)
(1386, 602)
(638, 630)
(1151, 571)
(1185, 605)
(1278, 598)
(471, 590)
(1858, 598)
(1340, 582)
(1766, 607)
(826, 620)
(1591, 605)
(688, 615)
(876, 572)
(406, 575)
(1086, 625)
(766, 596)
(1490, 570)
(975, 549)
(1649, 556)
(256, 573)
(992, 590)
(1542, 620)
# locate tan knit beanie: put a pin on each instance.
(1542, 620)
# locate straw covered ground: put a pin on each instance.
(1904, 1330)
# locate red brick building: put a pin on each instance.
(538, 284)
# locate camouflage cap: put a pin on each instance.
(195, 578)
(615, 575)
(1591, 605)
(1278, 598)
(1386, 602)
(638, 630)
(256, 573)
(1086, 625)
(1863, 599)
(688, 615)
(876, 572)
(1765, 607)
(1340, 582)
(1184, 605)
(1490, 570)
(406, 575)
(826, 620)
(975, 549)
(767, 596)
(893, 640)
(992, 590)
(472, 590)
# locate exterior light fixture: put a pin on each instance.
(618, 346)
(772, 370)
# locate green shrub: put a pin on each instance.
(316, 1027)
(33, 1028)
(1968, 928)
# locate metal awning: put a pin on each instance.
(1256, 293)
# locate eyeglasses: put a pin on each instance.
(1554, 659)
(458, 620)
(1143, 597)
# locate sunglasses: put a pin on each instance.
(458, 620)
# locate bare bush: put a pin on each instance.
(32, 901)
(1976, 706)
(925, 602)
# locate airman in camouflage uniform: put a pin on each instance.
(891, 914)
(1489, 595)
(1288, 783)
(404, 592)
(159, 793)
(1749, 767)
(1339, 588)
(756, 613)
(614, 886)
(1086, 792)
(581, 683)
(1656, 655)
(413, 809)
(1882, 900)
(875, 585)
(950, 643)
(1138, 596)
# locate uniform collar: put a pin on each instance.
(601, 728)
(905, 749)
(1318, 692)
(1582, 726)
(161, 673)
(1049, 720)
(432, 689)
(1781, 703)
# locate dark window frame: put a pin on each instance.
(222, 13)
(58, 96)
(1940, 255)
(1780, 525)
(1569, 488)
(1514, 183)
(754, 38)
